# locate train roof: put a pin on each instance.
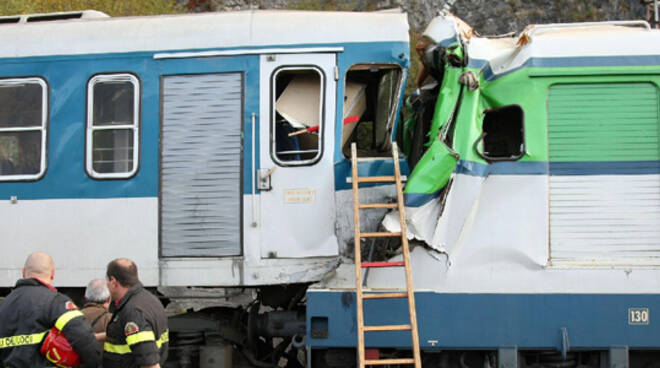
(573, 39)
(253, 28)
(612, 43)
(620, 43)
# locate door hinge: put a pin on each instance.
(336, 70)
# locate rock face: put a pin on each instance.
(488, 17)
(496, 17)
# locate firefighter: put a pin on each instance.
(29, 313)
(137, 334)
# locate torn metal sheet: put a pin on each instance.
(509, 107)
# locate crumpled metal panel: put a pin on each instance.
(201, 165)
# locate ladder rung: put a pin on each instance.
(376, 179)
(383, 264)
(380, 235)
(378, 205)
(387, 328)
(389, 361)
(384, 295)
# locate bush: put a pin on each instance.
(110, 7)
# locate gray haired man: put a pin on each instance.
(97, 297)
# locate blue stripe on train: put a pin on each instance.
(487, 321)
(67, 77)
(384, 167)
(67, 81)
(559, 168)
(605, 168)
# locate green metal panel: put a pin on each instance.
(604, 220)
(603, 122)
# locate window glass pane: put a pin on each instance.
(113, 103)
(297, 125)
(386, 103)
(20, 153)
(20, 105)
(370, 99)
(112, 151)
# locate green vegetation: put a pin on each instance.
(110, 7)
(334, 5)
(587, 10)
(321, 5)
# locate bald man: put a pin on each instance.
(137, 335)
(32, 309)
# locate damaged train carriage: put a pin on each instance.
(206, 147)
(536, 194)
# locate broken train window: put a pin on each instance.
(23, 112)
(297, 116)
(371, 95)
(503, 137)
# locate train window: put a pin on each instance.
(371, 95)
(503, 137)
(297, 125)
(23, 115)
(113, 110)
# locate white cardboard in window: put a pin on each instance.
(299, 103)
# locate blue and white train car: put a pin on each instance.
(166, 139)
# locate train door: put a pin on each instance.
(296, 180)
(201, 147)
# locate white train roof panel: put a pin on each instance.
(200, 31)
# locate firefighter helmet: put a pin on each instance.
(57, 349)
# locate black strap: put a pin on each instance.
(98, 318)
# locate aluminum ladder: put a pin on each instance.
(359, 265)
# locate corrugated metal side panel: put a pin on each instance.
(201, 165)
(603, 122)
(604, 219)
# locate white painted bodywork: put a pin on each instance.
(82, 236)
(502, 246)
(422, 221)
(297, 214)
(250, 269)
(88, 233)
(506, 54)
(202, 31)
(605, 220)
(427, 223)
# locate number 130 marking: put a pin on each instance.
(638, 316)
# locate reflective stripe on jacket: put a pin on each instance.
(28, 313)
(137, 334)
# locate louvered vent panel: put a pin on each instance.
(611, 217)
(201, 165)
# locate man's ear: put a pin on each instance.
(24, 273)
(52, 275)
